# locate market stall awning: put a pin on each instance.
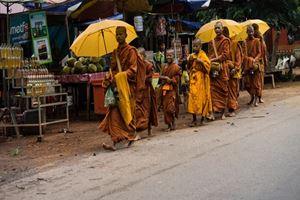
(179, 6)
(15, 8)
(114, 17)
(189, 24)
(54, 6)
(93, 9)
(134, 5)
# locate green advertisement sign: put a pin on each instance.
(40, 37)
(19, 28)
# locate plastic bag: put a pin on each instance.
(110, 99)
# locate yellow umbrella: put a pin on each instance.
(100, 38)
(263, 27)
(207, 32)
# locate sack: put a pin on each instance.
(110, 99)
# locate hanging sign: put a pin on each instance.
(19, 28)
(40, 37)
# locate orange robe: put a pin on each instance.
(253, 83)
(113, 123)
(146, 104)
(264, 58)
(233, 83)
(170, 96)
(219, 85)
(199, 97)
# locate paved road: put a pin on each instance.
(255, 156)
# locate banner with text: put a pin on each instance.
(40, 37)
(19, 29)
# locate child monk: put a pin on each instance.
(170, 80)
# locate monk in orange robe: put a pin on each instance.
(253, 66)
(146, 107)
(235, 75)
(264, 52)
(115, 123)
(170, 80)
(199, 97)
(219, 52)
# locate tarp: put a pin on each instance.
(15, 8)
(114, 17)
(93, 9)
(178, 6)
(189, 24)
(57, 6)
(134, 5)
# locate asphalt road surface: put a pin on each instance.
(254, 156)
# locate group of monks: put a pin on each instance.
(213, 84)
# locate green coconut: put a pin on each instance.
(71, 61)
(95, 60)
(84, 69)
(66, 70)
(99, 67)
(92, 68)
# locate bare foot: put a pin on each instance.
(261, 100)
(251, 101)
(193, 124)
(256, 102)
(223, 116)
(231, 114)
(137, 137)
(109, 147)
(211, 117)
(167, 129)
(130, 143)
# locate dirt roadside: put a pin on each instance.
(19, 158)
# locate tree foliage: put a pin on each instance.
(277, 13)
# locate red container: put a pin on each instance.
(99, 94)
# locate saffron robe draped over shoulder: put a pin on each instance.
(253, 83)
(170, 96)
(233, 83)
(219, 85)
(199, 97)
(113, 123)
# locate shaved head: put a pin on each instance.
(218, 23)
(218, 28)
(121, 29)
(197, 41)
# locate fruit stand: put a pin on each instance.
(86, 71)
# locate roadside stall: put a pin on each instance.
(30, 95)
